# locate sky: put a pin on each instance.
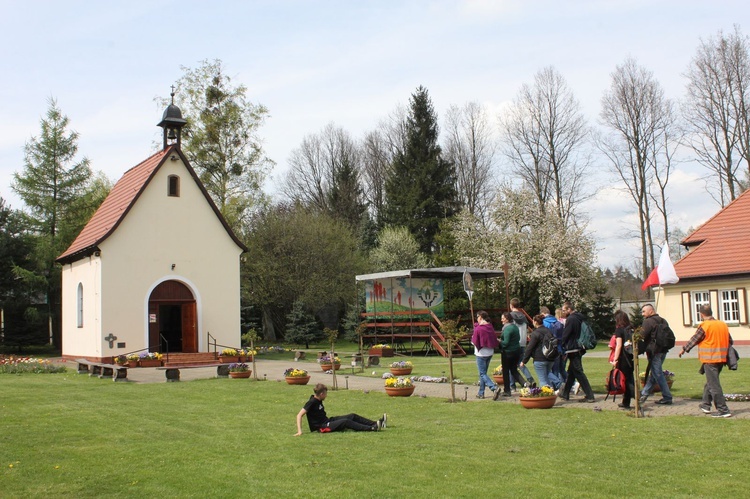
(347, 62)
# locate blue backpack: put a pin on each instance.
(557, 329)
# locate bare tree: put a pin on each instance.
(325, 174)
(471, 148)
(639, 145)
(378, 149)
(717, 111)
(545, 136)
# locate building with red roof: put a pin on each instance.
(716, 271)
(156, 268)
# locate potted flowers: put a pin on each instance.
(399, 387)
(381, 350)
(246, 354)
(296, 376)
(538, 398)
(149, 359)
(229, 356)
(401, 368)
(497, 375)
(239, 370)
(120, 360)
(669, 375)
(132, 360)
(328, 363)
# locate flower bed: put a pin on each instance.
(18, 365)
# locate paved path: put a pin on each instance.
(274, 369)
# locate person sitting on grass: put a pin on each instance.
(319, 422)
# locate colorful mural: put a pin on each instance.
(400, 294)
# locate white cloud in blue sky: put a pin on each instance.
(346, 62)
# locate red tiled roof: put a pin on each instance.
(719, 247)
(119, 201)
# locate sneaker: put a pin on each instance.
(576, 388)
(644, 397)
(378, 425)
(563, 396)
(587, 400)
(722, 415)
(505, 394)
(479, 396)
(623, 406)
(384, 420)
(664, 402)
(497, 394)
(706, 410)
(557, 392)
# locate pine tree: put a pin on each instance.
(52, 186)
(421, 189)
(301, 326)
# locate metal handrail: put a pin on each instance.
(166, 343)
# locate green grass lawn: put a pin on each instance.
(68, 435)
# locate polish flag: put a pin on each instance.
(663, 273)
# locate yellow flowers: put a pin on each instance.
(228, 352)
(398, 382)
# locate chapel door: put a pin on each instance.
(173, 324)
(189, 335)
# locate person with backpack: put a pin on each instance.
(571, 335)
(557, 374)
(623, 355)
(485, 342)
(522, 320)
(541, 347)
(657, 337)
(713, 340)
(510, 355)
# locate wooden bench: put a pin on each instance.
(115, 371)
(172, 373)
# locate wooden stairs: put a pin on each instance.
(438, 340)
(191, 359)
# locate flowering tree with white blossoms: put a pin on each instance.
(548, 261)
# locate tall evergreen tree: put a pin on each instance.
(420, 191)
(52, 185)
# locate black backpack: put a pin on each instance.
(549, 346)
(664, 337)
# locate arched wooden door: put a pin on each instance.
(172, 323)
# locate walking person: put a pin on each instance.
(534, 349)
(713, 340)
(510, 355)
(571, 333)
(318, 421)
(623, 355)
(656, 356)
(485, 342)
(521, 319)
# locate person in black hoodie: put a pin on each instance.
(571, 333)
(534, 350)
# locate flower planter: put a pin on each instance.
(245, 358)
(381, 352)
(405, 391)
(243, 374)
(227, 359)
(499, 380)
(538, 402)
(297, 380)
(132, 363)
(401, 371)
(149, 363)
(657, 388)
(328, 367)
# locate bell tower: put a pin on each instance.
(172, 123)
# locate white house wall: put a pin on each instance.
(82, 341)
(158, 232)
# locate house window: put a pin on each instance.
(729, 306)
(173, 186)
(700, 298)
(79, 304)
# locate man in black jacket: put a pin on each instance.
(571, 333)
(656, 356)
